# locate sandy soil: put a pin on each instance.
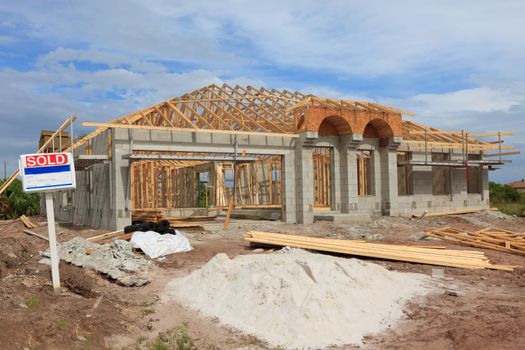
(489, 313)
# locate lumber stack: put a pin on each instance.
(470, 259)
(27, 223)
(175, 222)
(147, 215)
(490, 238)
(192, 218)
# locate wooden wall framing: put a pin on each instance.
(364, 173)
(322, 161)
(164, 184)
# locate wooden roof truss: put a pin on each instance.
(249, 110)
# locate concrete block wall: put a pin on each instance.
(89, 203)
(423, 198)
(289, 197)
(102, 197)
(120, 204)
(126, 141)
(304, 181)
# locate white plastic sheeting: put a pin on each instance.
(155, 245)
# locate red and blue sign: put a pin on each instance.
(47, 172)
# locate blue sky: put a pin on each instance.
(456, 64)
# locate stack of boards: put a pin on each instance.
(175, 222)
(27, 223)
(490, 237)
(470, 259)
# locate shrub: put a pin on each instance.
(507, 199)
(15, 202)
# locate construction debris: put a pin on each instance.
(31, 233)
(156, 216)
(104, 236)
(441, 257)
(27, 223)
(117, 259)
(147, 215)
(295, 299)
(155, 245)
(490, 237)
(428, 214)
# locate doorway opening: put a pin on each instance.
(322, 161)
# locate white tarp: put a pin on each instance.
(155, 245)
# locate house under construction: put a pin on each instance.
(300, 157)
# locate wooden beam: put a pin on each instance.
(15, 174)
(180, 114)
(440, 257)
(443, 132)
(36, 235)
(229, 213)
(493, 134)
(104, 236)
(165, 128)
(501, 154)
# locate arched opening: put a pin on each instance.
(378, 128)
(334, 126)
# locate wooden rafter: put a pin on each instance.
(237, 109)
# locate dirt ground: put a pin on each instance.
(92, 312)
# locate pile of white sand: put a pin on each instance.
(296, 299)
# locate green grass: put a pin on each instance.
(517, 209)
(175, 339)
(141, 339)
(62, 324)
(146, 308)
(507, 199)
(32, 302)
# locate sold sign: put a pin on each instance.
(49, 172)
(38, 160)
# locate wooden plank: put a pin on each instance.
(481, 147)
(104, 236)
(427, 256)
(184, 224)
(27, 223)
(453, 212)
(36, 235)
(443, 132)
(229, 213)
(501, 154)
(361, 244)
(503, 133)
(15, 174)
(480, 239)
(166, 128)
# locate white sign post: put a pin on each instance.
(49, 172)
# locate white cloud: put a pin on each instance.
(62, 55)
(481, 99)
(135, 44)
(488, 109)
(352, 37)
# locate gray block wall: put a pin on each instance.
(90, 203)
(423, 198)
(102, 198)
